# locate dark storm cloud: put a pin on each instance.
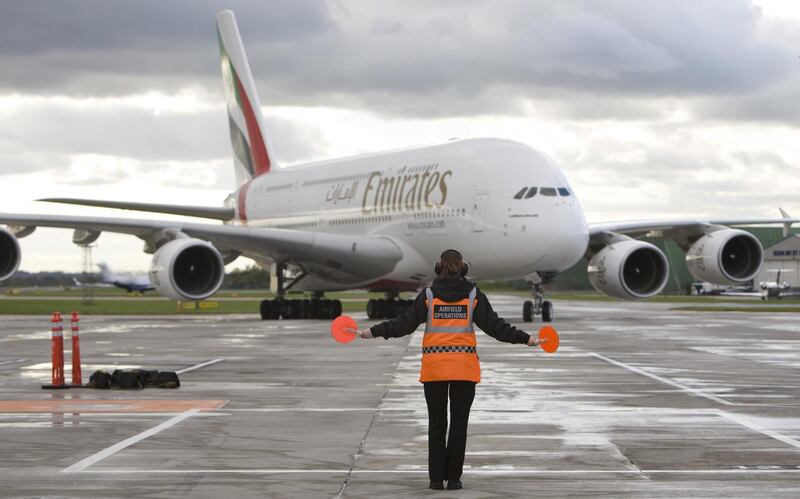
(119, 47)
(410, 58)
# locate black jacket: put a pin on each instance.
(450, 290)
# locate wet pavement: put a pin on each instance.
(639, 401)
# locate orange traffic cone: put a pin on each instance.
(76, 351)
(57, 368)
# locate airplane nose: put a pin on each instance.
(568, 239)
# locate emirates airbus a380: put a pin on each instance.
(379, 221)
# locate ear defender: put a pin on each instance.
(437, 268)
(464, 269)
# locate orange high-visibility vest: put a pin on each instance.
(449, 347)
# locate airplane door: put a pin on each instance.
(479, 210)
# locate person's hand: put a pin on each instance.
(533, 341)
(365, 333)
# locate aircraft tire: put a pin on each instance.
(337, 308)
(304, 309)
(371, 308)
(266, 310)
(282, 307)
(527, 311)
(380, 309)
(291, 309)
(330, 308)
(313, 310)
(547, 311)
(388, 308)
(324, 309)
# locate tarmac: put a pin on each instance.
(639, 401)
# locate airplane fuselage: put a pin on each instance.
(463, 194)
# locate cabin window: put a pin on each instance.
(520, 193)
(531, 192)
(563, 191)
(547, 191)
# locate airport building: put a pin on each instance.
(784, 256)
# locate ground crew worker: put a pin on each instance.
(450, 364)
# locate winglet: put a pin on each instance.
(787, 225)
(253, 152)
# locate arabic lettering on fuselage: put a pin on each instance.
(409, 189)
(338, 192)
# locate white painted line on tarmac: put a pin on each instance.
(726, 471)
(679, 386)
(200, 366)
(110, 451)
(744, 421)
(12, 362)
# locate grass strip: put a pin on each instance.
(138, 307)
(751, 309)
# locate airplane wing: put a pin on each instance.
(343, 258)
(623, 266)
(675, 227)
(213, 212)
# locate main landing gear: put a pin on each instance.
(539, 306)
(281, 308)
(388, 308)
(314, 308)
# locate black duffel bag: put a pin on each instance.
(167, 379)
(134, 379)
(100, 379)
(127, 380)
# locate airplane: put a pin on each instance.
(776, 289)
(379, 221)
(132, 283)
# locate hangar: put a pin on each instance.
(783, 255)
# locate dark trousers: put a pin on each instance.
(446, 460)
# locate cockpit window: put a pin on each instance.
(547, 191)
(531, 193)
(563, 191)
(520, 193)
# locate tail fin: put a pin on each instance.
(105, 272)
(252, 150)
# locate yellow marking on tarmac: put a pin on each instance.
(109, 406)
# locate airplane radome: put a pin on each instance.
(379, 222)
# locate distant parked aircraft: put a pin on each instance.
(776, 289)
(129, 282)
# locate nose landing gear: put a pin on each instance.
(539, 306)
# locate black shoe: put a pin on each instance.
(437, 485)
(454, 485)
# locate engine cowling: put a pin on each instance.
(629, 269)
(726, 256)
(10, 254)
(187, 269)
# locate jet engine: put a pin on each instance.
(187, 269)
(725, 256)
(629, 269)
(10, 254)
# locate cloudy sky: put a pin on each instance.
(653, 109)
